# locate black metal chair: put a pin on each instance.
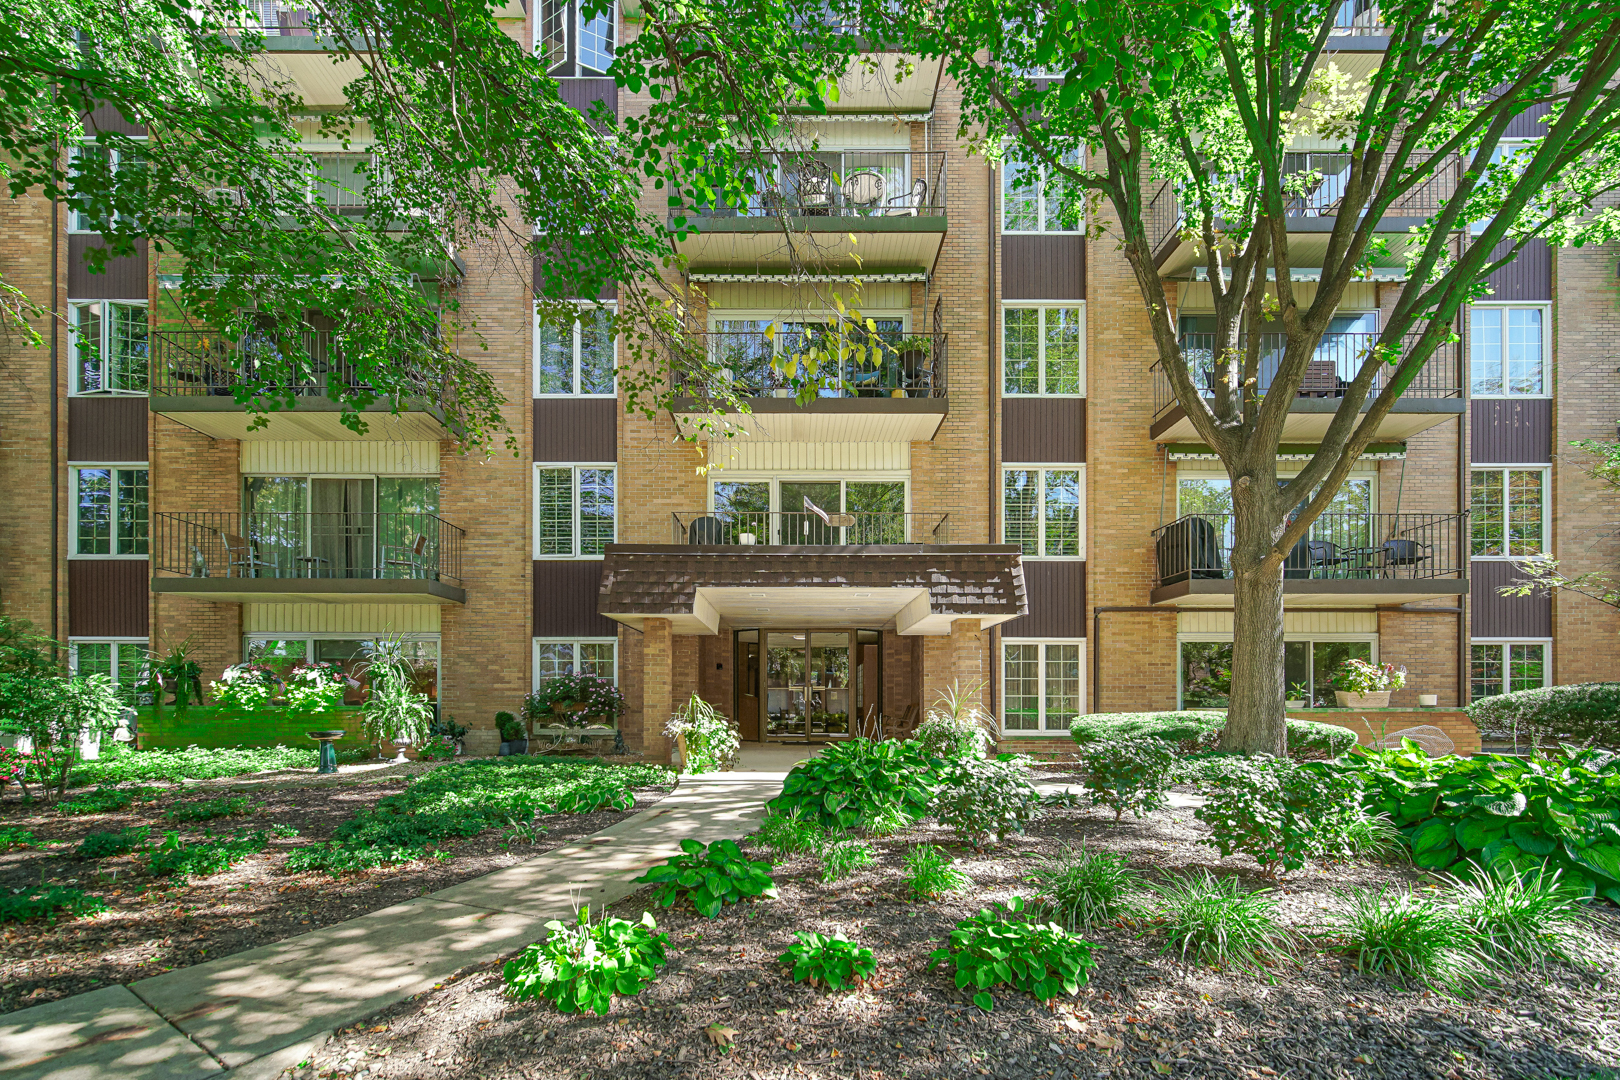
(1326, 554)
(1298, 564)
(1404, 553)
(706, 530)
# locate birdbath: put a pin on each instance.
(328, 751)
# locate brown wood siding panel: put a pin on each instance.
(1036, 267)
(565, 597)
(1528, 125)
(125, 278)
(1057, 601)
(1035, 429)
(583, 429)
(1527, 277)
(1510, 431)
(108, 597)
(1496, 616)
(107, 429)
(580, 93)
(107, 118)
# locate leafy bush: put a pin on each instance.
(508, 727)
(791, 833)
(993, 948)
(850, 784)
(711, 876)
(104, 845)
(1582, 713)
(315, 687)
(244, 686)
(57, 714)
(954, 728)
(1213, 921)
(195, 763)
(1410, 937)
(1199, 731)
(582, 966)
(985, 801)
(205, 857)
(16, 838)
(19, 905)
(842, 858)
(208, 809)
(1083, 889)
(1520, 919)
(931, 872)
(835, 962)
(712, 744)
(1274, 810)
(106, 800)
(1499, 810)
(1129, 774)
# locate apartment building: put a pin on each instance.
(1004, 494)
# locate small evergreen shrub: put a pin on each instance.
(1273, 810)
(842, 858)
(791, 833)
(508, 727)
(712, 744)
(931, 872)
(1580, 713)
(205, 857)
(853, 784)
(834, 962)
(1083, 889)
(710, 875)
(583, 966)
(1129, 774)
(1198, 731)
(1213, 921)
(208, 809)
(16, 838)
(985, 801)
(1410, 938)
(1000, 947)
(105, 845)
(20, 905)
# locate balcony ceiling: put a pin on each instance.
(1307, 245)
(1304, 595)
(869, 85)
(872, 245)
(825, 420)
(307, 64)
(1308, 420)
(314, 419)
(225, 590)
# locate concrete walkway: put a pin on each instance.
(257, 1012)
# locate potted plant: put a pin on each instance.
(513, 739)
(1359, 684)
(913, 356)
(244, 686)
(1298, 696)
(575, 699)
(394, 712)
(450, 733)
(314, 688)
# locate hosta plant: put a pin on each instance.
(710, 875)
(834, 962)
(985, 801)
(1129, 774)
(583, 966)
(999, 947)
(855, 784)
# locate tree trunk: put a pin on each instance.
(1255, 722)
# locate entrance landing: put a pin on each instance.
(764, 757)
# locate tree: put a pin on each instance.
(1542, 573)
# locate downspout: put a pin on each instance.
(56, 480)
(1463, 546)
(991, 395)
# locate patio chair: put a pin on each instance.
(815, 189)
(864, 190)
(1325, 553)
(410, 558)
(911, 203)
(242, 559)
(1298, 564)
(706, 530)
(1402, 552)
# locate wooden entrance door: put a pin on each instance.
(747, 669)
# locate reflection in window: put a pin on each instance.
(1505, 352)
(1308, 667)
(1042, 686)
(1506, 512)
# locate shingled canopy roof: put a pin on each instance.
(912, 588)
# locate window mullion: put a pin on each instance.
(1040, 512)
(577, 542)
(579, 345)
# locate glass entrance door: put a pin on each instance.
(818, 684)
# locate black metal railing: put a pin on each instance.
(852, 362)
(1332, 367)
(848, 183)
(204, 363)
(307, 546)
(1340, 547)
(1359, 18)
(747, 528)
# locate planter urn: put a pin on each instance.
(506, 748)
(1372, 699)
(1293, 704)
(518, 746)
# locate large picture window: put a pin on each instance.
(1041, 683)
(566, 656)
(1501, 667)
(575, 510)
(110, 510)
(784, 510)
(90, 159)
(1205, 677)
(1032, 200)
(1043, 350)
(577, 362)
(1043, 511)
(1507, 512)
(109, 347)
(1506, 348)
(353, 655)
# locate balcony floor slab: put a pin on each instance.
(1217, 593)
(312, 590)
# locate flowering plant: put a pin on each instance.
(315, 687)
(1361, 677)
(597, 694)
(244, 686)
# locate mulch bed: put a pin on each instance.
(154, 924)
(1143, 1015)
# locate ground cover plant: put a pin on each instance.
(47, 902)
(1213, 920)
(1411, 938)
(208, 809)
(832, 961)
(105, 845)
(11, 838)
(841, 858)
(859, 783)
(710, 875)
(931, 872)
(121, 766)
(201, 858)
(1195, 731)
(1524, 919)
(583, 966)
(1128, 773)
(1080, 889)
(984, 801)
(104, 800)
(999, 947)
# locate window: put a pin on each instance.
(596, 42)
(1042, 512)
(114, 161)
(1032, 200)
(564, 656)
(557, 21)
(340, 179)
(1043, 350)
(109, 347)
(774, 511)
(579, 361)
(109, 510)
(574, 510)
(121, 660)
(1041, 684)
(1507, 512)
(1205, 677)
(1505, 350)
(1501, 667)
(352, 654)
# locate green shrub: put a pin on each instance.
(712, 744)
(16, 838)
(1582, 713)
(1000, 947)
(985, 801)
(104, 845)
(1521, 919)
(1129, 774)
(19, 905)
(1273, 810)
(106, 800)
(835, 962)
(1213, 921)
(1196, 731)
(208, 809)
(583, 966)
(205, 857)
(508, 727)
(710, 875)
(946, 734)
(791, 833)
(1083, 889)
(841, 858)
(930, 872)
(1410, 937)
(850, 785)
(194, 763)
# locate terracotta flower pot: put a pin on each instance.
(1372, 699)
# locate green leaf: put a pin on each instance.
(1474, 833)
(1508, 805)
(1530, 837)
(1432, 834)
(984, 1001)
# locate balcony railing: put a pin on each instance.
(852, 183)
(1340, 547)
(1359, 18)
(188, 363)
(1333, 366)
(747, 528)
(878, 365)
(307, 546)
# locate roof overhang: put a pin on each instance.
(312, 418)
(1390, 451)
(823, 420)
(1217, 593)
(1308, 419)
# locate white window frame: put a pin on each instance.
(609, 305)
(777, 479)
(117, 642)
(1044, 468)
(73, 506)
(1546, 508)
(1504, 147)
(575, 467)
(74, 366)
(1042, 306)
(1505, 644)
(1001, 674)
(75, 224)
(1546, 350)
(1040, 198)
(579, 21)
(1227, 638)
(576, 642)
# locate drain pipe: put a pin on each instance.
(992, 388)
(55, 422)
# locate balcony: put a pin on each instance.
(194, 373)
(1349, 560)
(793, 529)
(290, 558)
(1434, 397)
(878, 212)
(891, 388)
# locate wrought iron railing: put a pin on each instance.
(1340, 547)
(847, 183)
(307, 546)
(204, 363)
(747, 528)
(849, 363)
(1359, 18)
(1332, 367)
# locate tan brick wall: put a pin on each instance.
(658, 653)
(1372, 725)
(1426, 645)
